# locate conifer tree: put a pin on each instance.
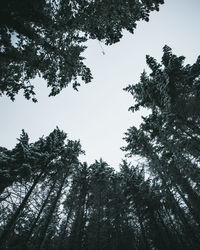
(46, 38)
(168, 136)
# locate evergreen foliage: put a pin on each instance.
(61, 203)
(48, 198)
(46, 38)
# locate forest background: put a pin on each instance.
(98, 114)
(49, 197)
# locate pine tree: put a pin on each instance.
(46, 38)
(168, 136)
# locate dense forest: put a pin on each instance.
(49, 199)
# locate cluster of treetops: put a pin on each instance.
(51, 200)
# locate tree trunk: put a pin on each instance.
(193, 213)
(8, 229)
(49, 216)
(38, 216)
(63, 232)
(179, 213)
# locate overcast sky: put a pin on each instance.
(98, 114)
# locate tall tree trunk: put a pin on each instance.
(187, 189)
(179, 213)
(193, 213)
(99, 215)
(63, 232)
(38, 216)
(142, 228)
(167, 236)
(179, 238)
(8, 229)
(79, 223)
(50, 214)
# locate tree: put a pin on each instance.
(46, 37)
(14, 164)
(79, 192)
(49, 157)
(168, 138)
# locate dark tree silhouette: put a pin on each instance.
(61, 203)
(46, 38)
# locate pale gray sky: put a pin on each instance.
(98, 114)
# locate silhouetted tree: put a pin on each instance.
(168, 137)
(46, 38)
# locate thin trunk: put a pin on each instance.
(143, 232)
(178, 212)
(167, 234)
(193, 213)
(99, 214)
(38, 216)
(178, 235)
(61, 238)
(79, 222)
(8, 229)
(186, 188)
(158, 236)
(49, 217)
(193, 197)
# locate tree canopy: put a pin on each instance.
(46, 38)
(49, 199)
(168, 138)
(61, 203)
